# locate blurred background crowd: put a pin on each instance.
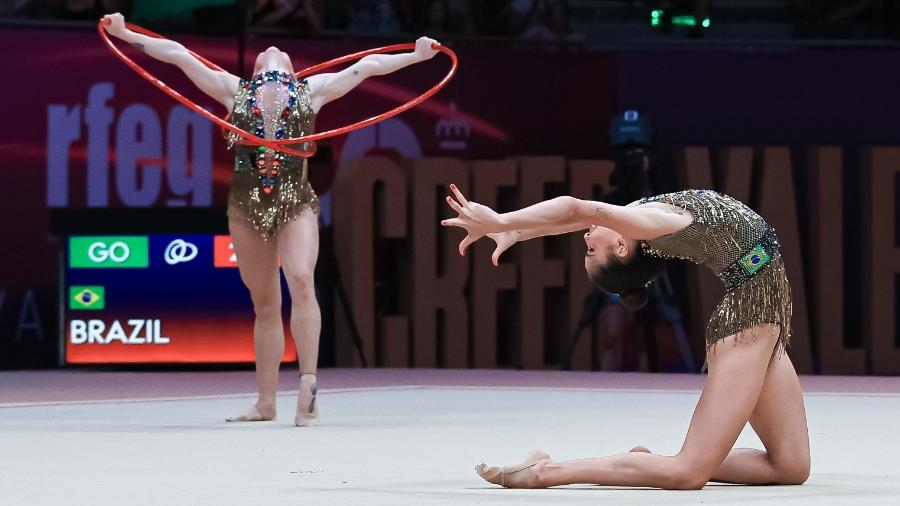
(568, 22)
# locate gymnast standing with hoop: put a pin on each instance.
(270, 194)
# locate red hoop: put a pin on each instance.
(280, 145)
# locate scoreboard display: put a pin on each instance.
(156, 299)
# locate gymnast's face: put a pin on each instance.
(605, 245)
(273, 59)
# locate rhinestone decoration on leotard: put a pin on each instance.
(271, 188)
(271, 98)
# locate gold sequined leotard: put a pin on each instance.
(271, 188)
(742, 249)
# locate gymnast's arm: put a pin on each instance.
(533, 233)
(637, 222)
(565, 213)
(557, 216)
(217, 84)
(324, 88)
(505, 240)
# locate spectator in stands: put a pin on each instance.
(91, 10)
(12, 8)
(839, 18)
(437, 18)
(461, 15)
(372, 16)
(522, 15)
(298, 14)
(541, 20)
(490, 17)
(559, 22)
(64, 9)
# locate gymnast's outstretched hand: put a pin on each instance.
(426, 48)
(114, 24)
(476, 219)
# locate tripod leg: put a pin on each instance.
(590, 310)
(668, 309)
(570, 349)
(348, 312)
(648, 322)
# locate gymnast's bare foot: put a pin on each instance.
(260, 412)
(307, 410)
(521, 475)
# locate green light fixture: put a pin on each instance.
(656, 19)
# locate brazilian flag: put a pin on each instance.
(87, 297)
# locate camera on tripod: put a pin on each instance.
(631, 138)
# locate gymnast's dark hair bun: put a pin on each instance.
(634, 299)
(628, 278)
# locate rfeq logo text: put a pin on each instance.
(140, 158)
(132, 331)
(109, 252)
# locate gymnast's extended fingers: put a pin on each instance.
(452, 222)
(456, 207)
(467, 240)
(495, 257)
(459, 196)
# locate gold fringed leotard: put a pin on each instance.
(270, 188)
(742, 249)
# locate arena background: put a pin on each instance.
(806, 131)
